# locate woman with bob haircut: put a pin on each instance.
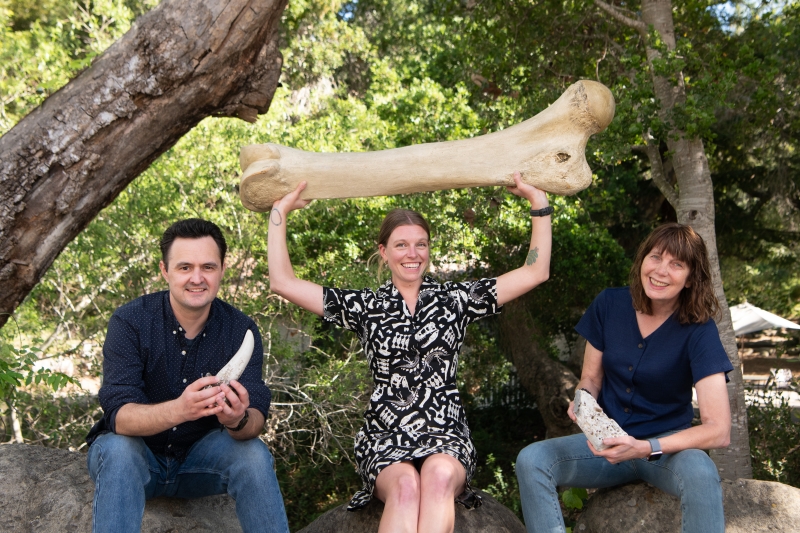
(647, 345)
(414, 451)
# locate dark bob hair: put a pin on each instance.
(697, 302)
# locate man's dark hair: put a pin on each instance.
(192, 228)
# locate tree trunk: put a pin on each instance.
(548, 381)
(181, 62)
(694, 204)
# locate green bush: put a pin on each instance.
(774, 436)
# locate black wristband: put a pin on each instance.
(242, 423)
(542, 212)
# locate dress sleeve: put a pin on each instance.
(478, 299)
(591, 324)
(344, 307)
(706, 353)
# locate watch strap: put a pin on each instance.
(655, 449)
(242, 423)
(542, 212)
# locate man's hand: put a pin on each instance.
(239, 400)
(197, 401)
(622, 449)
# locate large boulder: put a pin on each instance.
(46, 490)
(491, 517)
(750, 507)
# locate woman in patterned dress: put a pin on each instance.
(414, 452)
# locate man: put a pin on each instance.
(166, 429)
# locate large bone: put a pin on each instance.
(548, 150)
(594, 423)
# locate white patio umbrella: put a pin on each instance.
(748, 318)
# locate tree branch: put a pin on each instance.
(619, 15)
(657, 170)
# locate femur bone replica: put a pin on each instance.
(548, 150)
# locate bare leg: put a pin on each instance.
(398, 487)
(442, 479)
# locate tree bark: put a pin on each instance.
(59, 166)
(550, 382)
(694, 205)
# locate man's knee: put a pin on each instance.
(117, 452)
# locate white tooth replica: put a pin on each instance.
(593, 421)
(237, 364)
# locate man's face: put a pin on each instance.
(194, 274)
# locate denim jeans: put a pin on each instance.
(567, 461)
(126, 473)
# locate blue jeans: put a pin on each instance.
(126, 473)
(542, 466)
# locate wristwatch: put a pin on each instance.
(243, 422)
(543, 212)
(655, 450)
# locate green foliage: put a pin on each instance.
(505, 488)
(574, 498)
(774, 435)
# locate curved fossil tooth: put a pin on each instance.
(237, 364)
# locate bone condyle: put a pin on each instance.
(237, 364)
(547, 149)
(594, 423)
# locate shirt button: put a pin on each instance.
(628, 390)
(169, 445)
(175, 429)
(174, 332)
(183, 352)
(184, 380)
(180, 329)
(641, 345)
(630, 368)
(627, 410)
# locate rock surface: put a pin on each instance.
(491, 517)
(750, 507)
(46, 490)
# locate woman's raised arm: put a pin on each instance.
(282, 280)
(536, 269)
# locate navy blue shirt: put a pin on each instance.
(147, 360)
(647, 382)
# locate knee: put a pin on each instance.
(405, 489)
(531, 459)
(252, 457)
(695, 465)
(441, 479)
(117, 454)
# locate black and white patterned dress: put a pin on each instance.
(415, 410)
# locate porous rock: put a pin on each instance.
(46, 490)
(751, 506)
(594, 423)
(491, 517)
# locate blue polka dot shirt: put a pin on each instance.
(147, 360)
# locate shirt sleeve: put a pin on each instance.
(252, 378)
(123, 369)
(706, 354)
(591, 324)
(478, 299)
(344, 307)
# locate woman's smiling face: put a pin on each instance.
(406, 253)
(663, 277)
